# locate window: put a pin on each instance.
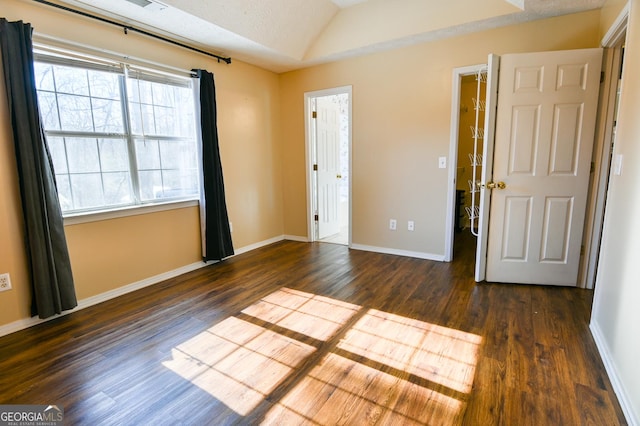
(118, 137)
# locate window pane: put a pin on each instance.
(150, 184)
(75, 113)
(114, 156)
(179, 183)
(139, 91)
(161, 109)
(71, 80)
(147, 154)
(149, 121)
(107, 115)
(87, 190)
(165, 119)
(48, 110)
(64, 192)
(104, 85)
(117, 188)
(178, 154)
(82, 155)
(135, 117)
(162, 94)
(58, 154)
(44, 77)
(187, 121)
(142, 119)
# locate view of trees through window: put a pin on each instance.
(117, 139)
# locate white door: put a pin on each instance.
(543, 141)
(328, 160)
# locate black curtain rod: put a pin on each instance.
(128, 28)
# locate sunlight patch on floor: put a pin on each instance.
(343, 391)
(237, 362)
(438, 354)
(315, 316)
(384, 368)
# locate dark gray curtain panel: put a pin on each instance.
(46, 246)
(217, 244)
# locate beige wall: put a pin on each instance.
(616, 313)
(109, 254)
(401, 119)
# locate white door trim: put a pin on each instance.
(456, 82)
(618, 30)
(612, 42)
(309, 155)
(490, 116)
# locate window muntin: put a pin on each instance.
(117, 138)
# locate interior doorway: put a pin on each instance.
(328, 148)
(467, 136)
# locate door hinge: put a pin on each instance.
(593, 167)
(315, 217)
(601, 76)
(582, 250)
(315, 167)
(314, 114)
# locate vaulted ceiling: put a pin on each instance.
(282, 35)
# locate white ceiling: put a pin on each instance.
(282, 35)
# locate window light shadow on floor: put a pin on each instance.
(379, 367)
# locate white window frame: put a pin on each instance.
(138, 207)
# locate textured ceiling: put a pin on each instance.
(282, 35)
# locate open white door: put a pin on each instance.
(491, 101)
(544, 135)
(328, 160)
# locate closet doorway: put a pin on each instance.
(469, 111)
(328, 151)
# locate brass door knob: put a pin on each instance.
(495, 185)
(339, 176)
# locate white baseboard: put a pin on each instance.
(407, 253)
(111, 294)
(120, 291)
(257, 245)
(618, 387)
(102, 297)
(296, 238)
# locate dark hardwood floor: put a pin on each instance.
(298, 333)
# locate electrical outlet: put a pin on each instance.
(393, 224)
(410, 225)
(5, 282)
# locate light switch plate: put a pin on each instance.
(442, 162)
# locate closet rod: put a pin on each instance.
(128, 28)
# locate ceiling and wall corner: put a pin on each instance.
(281, 35)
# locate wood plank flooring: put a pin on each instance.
(298, 333)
